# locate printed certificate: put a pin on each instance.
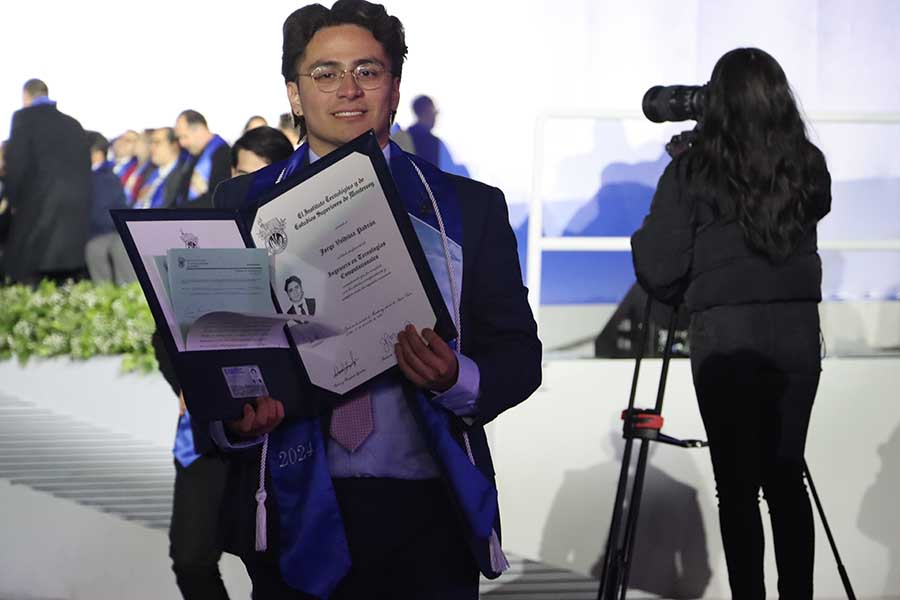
(337, 274)
(342, 264)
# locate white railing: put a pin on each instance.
(538, 243)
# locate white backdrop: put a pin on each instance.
(492, 67)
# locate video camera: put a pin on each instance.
(676, 103)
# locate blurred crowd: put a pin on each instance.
(59, 182)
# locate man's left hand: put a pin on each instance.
(426, 360)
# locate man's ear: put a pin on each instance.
(293, 94)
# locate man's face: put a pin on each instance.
(26, 99)
(189, 136)
(162, 152)
(335, 118)
(295, 291)
(142, 147)
(123, 147)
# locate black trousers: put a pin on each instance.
(196, 534)
(405, 544)
(756, 371)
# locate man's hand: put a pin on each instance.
(268, 414)
(427, 361)
(182, 408)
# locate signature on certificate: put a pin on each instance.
(342, 366)
(387, 342)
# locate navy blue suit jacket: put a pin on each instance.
(500, 333)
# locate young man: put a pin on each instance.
(405, 506)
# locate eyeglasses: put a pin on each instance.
(328, 78)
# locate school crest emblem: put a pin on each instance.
(273, 232)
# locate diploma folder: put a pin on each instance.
(217, 383)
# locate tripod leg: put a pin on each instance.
(609, 579)
(634, 508)
(845, 579)
(637, 488)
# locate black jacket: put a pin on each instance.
(683, 252)
(48, 178)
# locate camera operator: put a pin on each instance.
(732, 233)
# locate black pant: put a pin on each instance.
(196, 534)
(405, 544)
(756, 370)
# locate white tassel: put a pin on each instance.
(499, 563)
(261, 542)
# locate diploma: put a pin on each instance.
(306, 290)
(342, 263)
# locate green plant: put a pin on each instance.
(79, 320)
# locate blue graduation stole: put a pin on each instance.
(314, 554)
(41, 101)
(475, 494)
(184, 450)
(143, 197)
(203, 170)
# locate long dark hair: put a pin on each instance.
(753, 160)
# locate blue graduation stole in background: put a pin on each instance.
(120, 168)
(199, 184)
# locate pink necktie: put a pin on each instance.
(352, 422)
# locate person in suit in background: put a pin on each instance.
(125, 159)
(200, 525)
(137, 179)
(397, 498)
(105, 253)
(208, 165)
(48, 183)
(162, 182)
(426, 144)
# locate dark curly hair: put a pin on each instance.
(302, 24)
(753, 161)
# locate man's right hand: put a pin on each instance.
(266, 416)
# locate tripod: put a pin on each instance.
(645, 425)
